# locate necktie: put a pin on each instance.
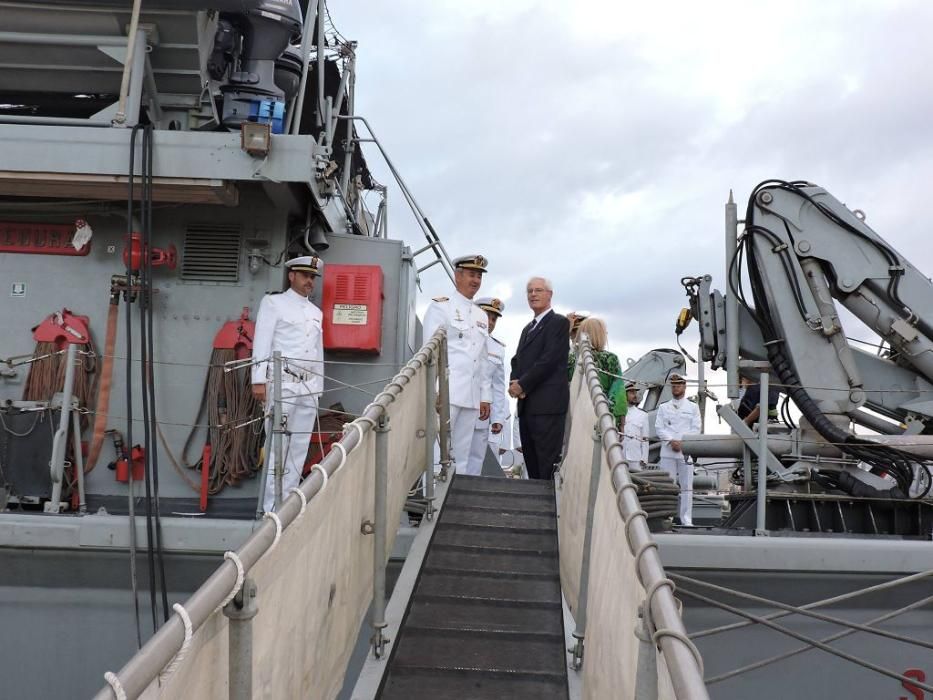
(533, 325)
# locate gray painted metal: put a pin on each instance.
(732, 303)
(241, 611)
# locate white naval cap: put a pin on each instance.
(491, 304)
(470, 262)
(306, 263)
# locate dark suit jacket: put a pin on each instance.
(540, 366)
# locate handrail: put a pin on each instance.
(681, 655)
(164, 645)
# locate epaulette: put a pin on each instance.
(497, 340)
(441, 299)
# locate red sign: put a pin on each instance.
(39, 239)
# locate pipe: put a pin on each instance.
(277, 428)
(60, 440)
(802, 443)
(119, 119)
(79, 461)
(49, 121)
(380, 519)
(443, 374)
(145, 665)
(580, 614)
(320, 63)
(61, 39)
(761, 502)
(732, 303)
(430, 437)
(683, 666)
(137, 77)
(295, 116)
(241, 611)
(351, 101)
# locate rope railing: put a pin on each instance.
(662, 609)
(172, 638)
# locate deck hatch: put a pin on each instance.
(212, 253)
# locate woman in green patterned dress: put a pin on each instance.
(607, 364)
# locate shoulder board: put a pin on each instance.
(441, 299)
(497, 340)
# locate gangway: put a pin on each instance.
(485, 619)
(502, 569)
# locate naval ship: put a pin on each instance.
(159, 161)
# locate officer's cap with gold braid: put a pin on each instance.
(491, 304)
(471, 262)
(306, 263)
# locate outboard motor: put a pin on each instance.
(247, 47)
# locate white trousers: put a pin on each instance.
(462, 422)
(299, 410)
(682, 472)
(482, 440)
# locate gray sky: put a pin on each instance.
(595, 142)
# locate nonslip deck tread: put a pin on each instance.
(485, 619)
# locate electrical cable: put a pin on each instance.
(153, 450)
(128, 299)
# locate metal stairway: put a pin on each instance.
(485, 618)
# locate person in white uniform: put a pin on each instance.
(676, 418)
(467, 350)
(636, 432)
(290, 323)
(489, 431)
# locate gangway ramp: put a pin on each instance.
(485, 617)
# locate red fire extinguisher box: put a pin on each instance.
(353, 308)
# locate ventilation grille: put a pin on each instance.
(352, 288)
(212, 253)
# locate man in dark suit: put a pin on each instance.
(539, 381)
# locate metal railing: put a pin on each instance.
(232, 575)
(661, 624)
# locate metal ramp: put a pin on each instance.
(485, 618)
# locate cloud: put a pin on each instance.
(596, 142)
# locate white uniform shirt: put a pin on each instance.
(635, 439)
(499, 412)
(290, 323)
(467, 352)
(676, 418)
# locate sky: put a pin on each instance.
(596, 142)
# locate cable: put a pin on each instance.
(128, 299)
(148, 135)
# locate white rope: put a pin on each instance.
(357, 426)
(323, 471)
(302, 498)
(115, 685)
(183, 651)
(343, 455)
(274, 517)
(240, 575)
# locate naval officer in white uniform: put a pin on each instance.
(468, 377)
(636, 431)
(290, 323)
(676, 418)
(489, 431)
